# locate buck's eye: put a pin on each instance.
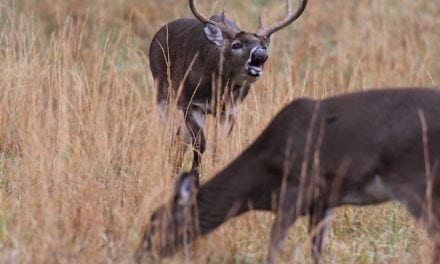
(237, 45)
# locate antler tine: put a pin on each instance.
(260, 23)
(286, 21)
(223, 25)
(289, 7)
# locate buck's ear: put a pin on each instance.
(187, 187)
(214, 34)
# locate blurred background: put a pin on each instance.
(82, 159)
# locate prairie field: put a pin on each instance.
(83, 161)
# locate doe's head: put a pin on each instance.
(173, 224)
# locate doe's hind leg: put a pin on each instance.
(426, 210)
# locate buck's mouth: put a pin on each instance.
(254, 69)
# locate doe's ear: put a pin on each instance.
(187, 187)
(214, 34)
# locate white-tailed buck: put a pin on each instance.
(315, 155)
(206, 66)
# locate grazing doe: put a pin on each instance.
(206, 66)
(315, 155)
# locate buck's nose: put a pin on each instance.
(258, 56)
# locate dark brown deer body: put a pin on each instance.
(355, 149)
(207, 66)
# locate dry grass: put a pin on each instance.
(82, 159)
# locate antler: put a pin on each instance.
(286, 21)
(223, 26)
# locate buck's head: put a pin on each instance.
(173, 224)
(244, 53)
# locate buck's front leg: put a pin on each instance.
(194, 121)
(173, 125)
(228, 118)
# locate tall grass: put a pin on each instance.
(82, 159)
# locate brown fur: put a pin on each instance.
(197, 74)
(315, 155)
